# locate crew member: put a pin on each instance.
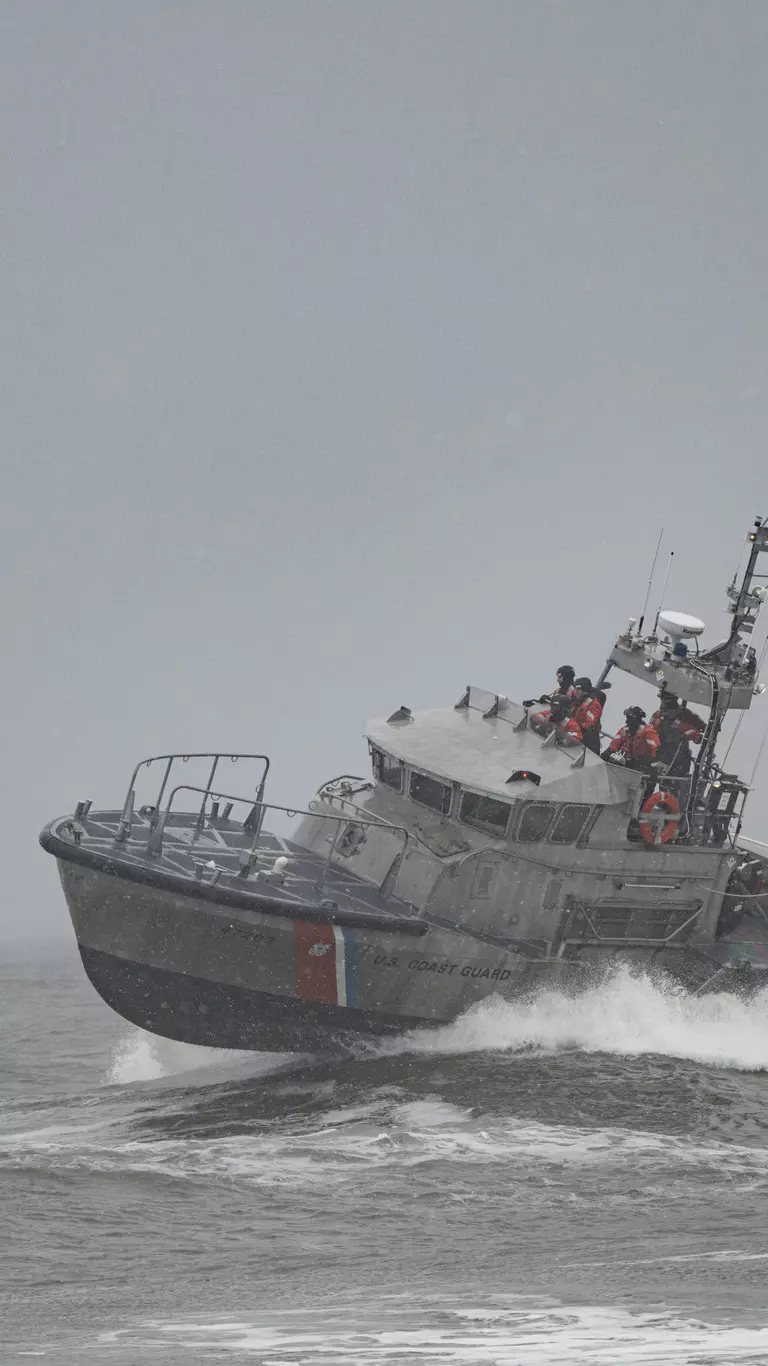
(588, 710)
(565, 682)
(564, 687)
(637, 743)
(677, 728)
(557, 718)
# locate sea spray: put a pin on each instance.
(628, 1014)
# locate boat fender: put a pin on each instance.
(654, 833)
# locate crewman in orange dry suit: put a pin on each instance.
(637, 743)
(677, 728)
(564, 687)
(587, 712)
(565, 684)
(557, 718)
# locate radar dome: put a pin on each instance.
(679, 626)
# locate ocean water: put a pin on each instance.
(555, 1181)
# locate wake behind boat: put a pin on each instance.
(488, 851)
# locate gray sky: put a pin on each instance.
(352, 352)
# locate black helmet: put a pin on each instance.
(567, 671)
(635, 714)
(584, 683)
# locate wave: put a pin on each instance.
(346, 1146)
(442, 1331)
(629, 1015)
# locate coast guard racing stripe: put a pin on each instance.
(325, 963)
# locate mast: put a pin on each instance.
(745, 600)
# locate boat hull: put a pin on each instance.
(189, 969)
(199, 968)
(216, 1014)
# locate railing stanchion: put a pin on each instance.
(201, 816)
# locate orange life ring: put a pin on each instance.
(668, 830)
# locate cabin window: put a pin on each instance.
(569, 824)
(484, 813)
(534, 822)
(388, 770)
(431, 792)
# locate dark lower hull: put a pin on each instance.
(214, 1014)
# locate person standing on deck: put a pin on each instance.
(678, 729)
(637, 743)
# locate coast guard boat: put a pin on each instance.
(473, 858)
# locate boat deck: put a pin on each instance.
(208, 860)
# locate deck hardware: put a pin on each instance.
(401, 717)
(524, 775)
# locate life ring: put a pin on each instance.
(668, 831)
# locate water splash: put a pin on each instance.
(629, 1015)
(146, 1057)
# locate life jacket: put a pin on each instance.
(570, 729)
(643, 744)
(570, 693)
(674, 749)
(588, 713)
(686, 723)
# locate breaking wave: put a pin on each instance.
(628, 1015)
(342, 1148)
(442, 1332)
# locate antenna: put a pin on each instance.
(753, 775)
(664, 589)
(650, 581)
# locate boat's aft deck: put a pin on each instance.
(188, 852)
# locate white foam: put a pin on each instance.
(628, 1015)
(491, 1333)
(141, 1056)
(343, 1152)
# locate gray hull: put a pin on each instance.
(196, 969)
(206, 973)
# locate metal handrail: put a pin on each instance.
(157, 832)
(344, 777)
(346, 802)
(126, 818)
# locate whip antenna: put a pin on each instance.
(650, 582)
(664, 589)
